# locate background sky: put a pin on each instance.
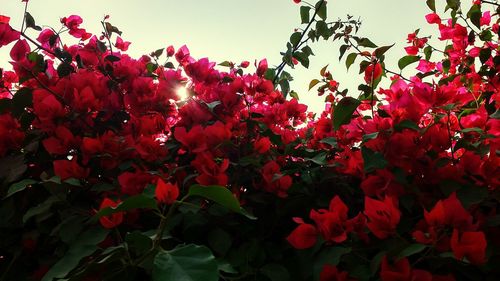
(235, 30)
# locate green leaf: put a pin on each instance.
(496, 114)
(275, 272)
(295, 38)
(218, 194)
(322, 29)
(406, 124)
(313, 83)
(375, 263)
(431, 4)
(138, 242)
(343, 49)
(140, 201)
(330, 255)
(381, 50)
(321, 9)
(365, 42)
(302, 58)
(319, 159)
(304, 14)
(453, 4)
(471, 195)
(64, 69)
(343, 111)
(84, 245)
(350, 59)
(407, 60)
(22, 98)
(411, 250)
(19, 186)
(371, 136)
(185, 263)
(41, 208)
(112, 58)
(331, 141)
(372, 160)
(30, 22)
(220, 241)
(474, 14)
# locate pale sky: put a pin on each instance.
(235, 30)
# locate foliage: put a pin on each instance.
(107, 173)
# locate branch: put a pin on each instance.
(283, 63)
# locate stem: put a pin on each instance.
(489, 2)
(24, 16)
(164, 220)
(283, 63)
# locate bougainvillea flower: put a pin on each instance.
(332, 273)
(469, 244)
(262, 145)
(303, 236)
(383, 216)
(112, 220)
(396, 271)
(20, 50)
(166, 193)
(7, 34)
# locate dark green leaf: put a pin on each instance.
(112, 29)
(112, 58)
(185, 263)
(322, 29)
(375, 263)
(19, 186)
(22, 99)
(371, 136)
(373, 160)
(428, 52)
(406, 124)
(138, 242)
(453, 4)
(431, 4)
(41, 208)
(470, 195)
(411, 250)
(84, 246)
(226, 63)
(381, 50)
(365, 42)
(343, 111)
(30, 22)
(496, 114)
(220, 241)
(350, 59)
(64, 69)
(331, 141)
(275, 272)
(295, 38)
(407, 60)
(302, 58)
(319, 159)
(343, 49)
(321, 9)
(304, 14)
(218, 194)
(474, 15)
(484, 55)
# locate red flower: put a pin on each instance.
(398, 271)
(274, 181)
(331, 273)
(383, 217)
(66, 169)
(166, 193)
(112, 220)
(374, 72)
(170, 51)
(11, 137)
(332, 223)
(134, 183)
(304, 236)
(7, 34)
(20, 50)
(469, 244)
(211, 172)
(122, 45)
(296, 1)
(194, 140)
(262, 145)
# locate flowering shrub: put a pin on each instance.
(108, 174)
